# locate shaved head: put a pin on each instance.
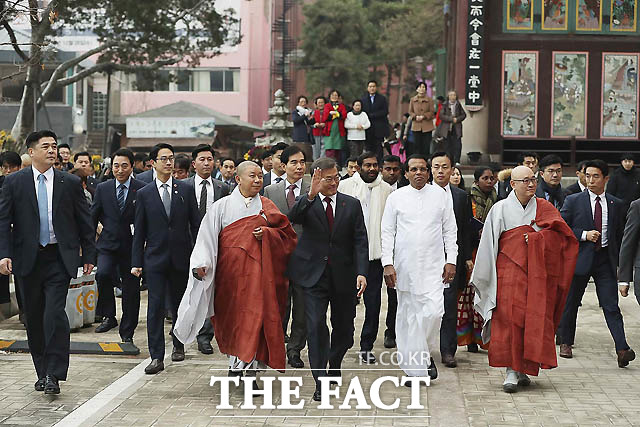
(249, 178)
(524, 183)
(521, 172)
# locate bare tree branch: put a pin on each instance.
(12, 75)
(14, 41)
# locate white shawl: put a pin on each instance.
(505, 215)
(372, 211)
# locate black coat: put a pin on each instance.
(159, 240)
(463, 212)
(347, 244)
(625, 185)
(71, 222)
(116, 227)
(300, 127)
(577, 213)
(146, 176)
(541, 193)
(378, 113)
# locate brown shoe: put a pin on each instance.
(567, 353)
(625, 356)
(449, 361)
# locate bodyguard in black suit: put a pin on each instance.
(597, 219)
(330, 262)
(442, 168)
(51, 224)
(207, 190)
(146, 176)
(166, 225)
(377, 109)
(114, 207)
(579, 186)
(277, 174)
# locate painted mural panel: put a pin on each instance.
(519, 93)
(619, 95)
(589, 15)
(623, 15)
(568, 107)
(519, 14)
(554, 14)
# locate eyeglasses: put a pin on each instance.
(527, 181)
(165, 159)
(330, 179)
(553, 171)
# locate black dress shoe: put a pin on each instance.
(127, 340)
(205, 347)
(51, 385)
(39, 385)
(432, 370)
(154, 367)
(234, 373)
(625, 356)
(389, 342)
(317, 396)
(177, 355)
(296, 362)
(107, 324)
(449, 361)
(472, 348)
(367, 357)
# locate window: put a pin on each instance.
(224, 80)
(184, 81)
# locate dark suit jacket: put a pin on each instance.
(378, 113)
(116, 226)
(220, 189)
(576, 212)
(463, 212)
(276, 193)
(71, 222)
(92, 184)
(630, 249)
(572, 189)
(146, 176)
(168, 240)
(347, 244)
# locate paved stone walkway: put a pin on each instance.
(112, 391)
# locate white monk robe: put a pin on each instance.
(418, 227)
(197, 302)
(505, 215)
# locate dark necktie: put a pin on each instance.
(597, 221)
(291, 196)
(329, 213)
(278, 179)
(203, 199)
(121, 188)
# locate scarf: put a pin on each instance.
(483, 202)
(379, 190)
(555, 194)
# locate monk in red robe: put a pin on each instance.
(238, 266)
(522, 276)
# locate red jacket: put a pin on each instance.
(326, 118)
(317, 118)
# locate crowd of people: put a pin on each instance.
(500, 266)
(334, 129)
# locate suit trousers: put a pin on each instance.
(392, 308)
(322, 348)
(607, 292)
(298, 336)
(374, 145)
(44, 293)
(422, 142)
(448, 330)
(110, 265)
(205, 334)
(166, 281)
(372, 296)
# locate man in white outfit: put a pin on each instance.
(418, 229)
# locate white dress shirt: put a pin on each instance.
(198, 189)
(48, 181)
(394, 187)
(605, 216)
(296, 190)
(159, 185)
(274, 177)
(333, 203)
(582, 187)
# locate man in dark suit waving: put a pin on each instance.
(597, 219)
(166, 224)
(207, 190)
(114, 208)
(330, 262)
(377, 109)
(51, 223)
(442, 168)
